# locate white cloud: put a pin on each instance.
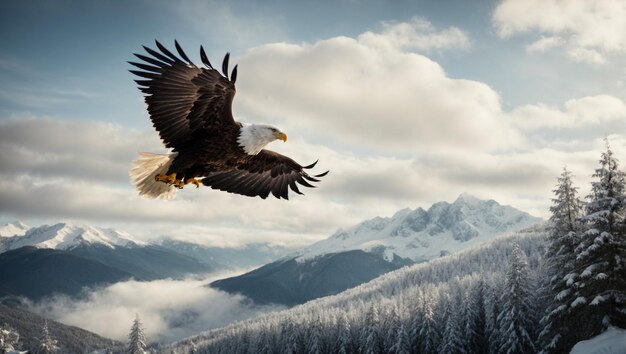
(416, 35)
(544, 43)
(346, 90)
(169, 309)
(578, 113)
(590, 29)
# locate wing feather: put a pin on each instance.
(266, 173)
(184, 101)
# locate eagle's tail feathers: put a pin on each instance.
(144, 171)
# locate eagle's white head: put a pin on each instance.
(253, 137)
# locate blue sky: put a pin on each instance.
(486, 97)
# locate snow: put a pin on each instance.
(421, 235)
(16, 228)
(579, 301)
(612, 341)
(65, 236)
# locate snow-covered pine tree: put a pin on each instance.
(136, 338)
(314, 337)
(430, 337)
(600, 278)
(47, 345)
(493, 307)
(370, 340)
(344, 340)
(391, 325)
(402, 344)
(517, 316)
(453, 340)
(557, 333)
(476, 320)
(8, 339)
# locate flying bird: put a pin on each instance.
(191, 108)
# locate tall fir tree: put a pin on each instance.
(8, 339)
(517, 317)
(600, 277)
(402, 344)
(370, 337)
(453, 340)
(430, 336)
(344, 340)
(136, 338)
(47, 345)
(557, 334)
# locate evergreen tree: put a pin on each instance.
(558, 334)
(392, 323)
(453, 340)
(402, 344)
(370, 338)
(344, 340)
(136, 338)
(516, 319)
(430, 337)
(476, 322)
(600, 278)
(314, 342)
(8, 339)
(48, 345)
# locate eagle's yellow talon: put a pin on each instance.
(193, 181)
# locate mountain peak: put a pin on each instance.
(424, 234)
(15, 228)
(66, 236)
(467, 198)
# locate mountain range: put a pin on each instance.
(377, 246)
(66, 258)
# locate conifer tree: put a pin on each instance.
(402, 344)
(453, 339)
(476, 322)
(517, 316)
(430, 336)
(344, 342)
(136, 338)
(600, 278)
(48, 345)
(8, 339)
(558, 334)
(370, 338)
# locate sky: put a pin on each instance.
(406, 103)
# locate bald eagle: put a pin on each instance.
(191, 108)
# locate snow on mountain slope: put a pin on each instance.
(65, 236)
(612, 341)
(16, 228)
(421, 235)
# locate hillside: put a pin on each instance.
(399, 299)
(70, 339)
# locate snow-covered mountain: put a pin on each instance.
(377, 246)
(16, 228)
(66, 236)
(421, 235)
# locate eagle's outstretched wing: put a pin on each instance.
(184, 100)
(265, 173)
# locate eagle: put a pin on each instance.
(191, 109)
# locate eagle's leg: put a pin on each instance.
(170, 179)
(193, 181)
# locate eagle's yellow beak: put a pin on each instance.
(281, 136)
